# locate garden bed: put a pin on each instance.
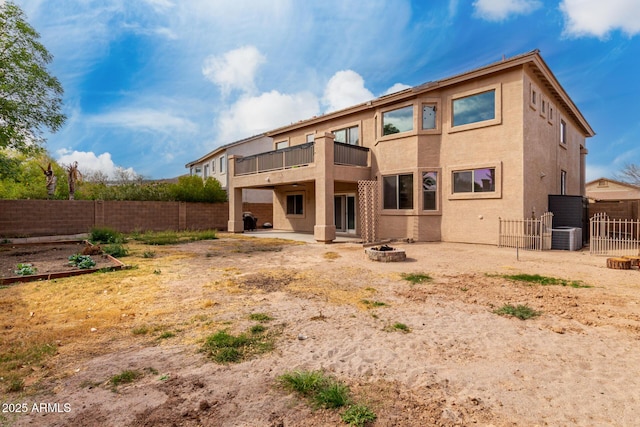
(48, 261)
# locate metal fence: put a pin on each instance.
(613, 236)
(532, 234)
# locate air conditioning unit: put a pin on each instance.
(566, 238)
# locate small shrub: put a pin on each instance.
(260, 317)
(536, 279)
(148, 254)
(358, 415)
(124, 377)
(223, 347)
(334, 395)
(257, 329)
(142, 330)
(15, 385)
(166, 335)
(304, 382)
(522, 312)
(159, 238)
(105, 235)
(400, 327)
(115, 250)
(373, 304)
(81, 261)
(416, 278)
(25, 270)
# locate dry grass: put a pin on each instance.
(42, 323)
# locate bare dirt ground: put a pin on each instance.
(460, 364)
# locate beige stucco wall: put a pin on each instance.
(546, 155)
(521, 144)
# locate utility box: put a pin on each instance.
(566, 238)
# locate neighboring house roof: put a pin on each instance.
(533, 59)
(618, 190)
(224, 148)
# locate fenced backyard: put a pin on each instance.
(527, 233)
(613, 236)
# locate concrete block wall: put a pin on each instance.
(25, 218)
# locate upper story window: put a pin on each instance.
(563, 132)
(428, 116)
(349, 135)
(206, 171)
(563, 182)
(222, 164)
(213, 166)
(198, 171)
(396, 121)
(474, 108)
(474, 181)
(311, 137)
(282, 144)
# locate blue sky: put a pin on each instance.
(153, 84)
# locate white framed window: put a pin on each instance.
(223, 162)
(397, 121)
(206, 171)
(563, 182)
(213, 166)
(397, 191)
(543, 107)
(311, 137)
(563, 132)
(282, 144)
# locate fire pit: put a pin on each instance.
(385, 253)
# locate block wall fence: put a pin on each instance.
(27, 218)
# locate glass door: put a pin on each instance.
(345, 213)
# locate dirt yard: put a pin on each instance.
(454, 363)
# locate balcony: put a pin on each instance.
(299, 156)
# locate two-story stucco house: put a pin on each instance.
(437, 162)
(215, 164)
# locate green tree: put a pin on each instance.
(30, 97)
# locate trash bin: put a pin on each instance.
(250, 221)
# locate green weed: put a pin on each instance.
(358, 415)
(522, 312)
(124, 377)
(223, 347)
(416, 278)
(536, 279)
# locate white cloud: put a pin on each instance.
(89, 163)
(396, 88)
(598, 18)
(235, 69)
(345, 89)
(253, 115)
(499, 10)
(145, 119)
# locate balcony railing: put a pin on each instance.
(352, 155)
(299, 155)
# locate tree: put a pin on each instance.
(30, 98)
(630, 174)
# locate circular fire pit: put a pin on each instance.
(385, 253)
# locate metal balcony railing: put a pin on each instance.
(351, 155)
(299, 155)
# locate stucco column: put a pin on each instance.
(235, 224)
(325, 230)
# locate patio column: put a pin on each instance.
(324, 230)
(235, 224)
